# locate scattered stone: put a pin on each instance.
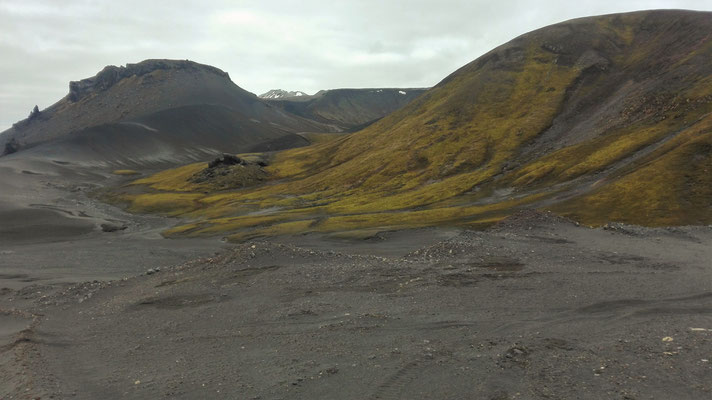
(113, 227)
(668, 339)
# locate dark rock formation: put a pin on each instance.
(111, 74)
(231, 172)
(113, 227)
(12, 146)
(35, 113)
(225, 160)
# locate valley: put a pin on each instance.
(536, 225)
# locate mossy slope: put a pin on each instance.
(602, 118)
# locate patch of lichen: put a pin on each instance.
(320, 137)
(448, 144)
(622, 27)
(125, 172)
(174, 180)
(605, 151)
(372, 222)
(444, 158)
(285, 228)
(171, 204)
(588, 157)
(671, 186)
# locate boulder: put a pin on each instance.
(35, 113)
(113, 227)
(12, 146)
(225, 160)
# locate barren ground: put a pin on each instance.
(536, 307)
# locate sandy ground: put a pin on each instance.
(534, 308)
(51, 229)
(51, 238)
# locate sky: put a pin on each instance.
(293, 45)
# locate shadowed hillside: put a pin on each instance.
(601, 119)
(164, 110)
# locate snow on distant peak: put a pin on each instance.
(281, 94)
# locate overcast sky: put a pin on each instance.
(293, 45)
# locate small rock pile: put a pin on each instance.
(231, 172)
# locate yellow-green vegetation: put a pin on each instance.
(671, 186)
(126, 172)
(319, 137)
(164, 203)
(583, 118)
(176, 180)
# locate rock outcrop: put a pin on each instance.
(165, 111)
(231, 172)
(34, 113)
(111, 74)
(11, 146)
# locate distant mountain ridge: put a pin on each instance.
(281, 94)
(136, 108)
(348, 109)
(129, 106)
(600, 119)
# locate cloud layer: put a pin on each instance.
(294, 45)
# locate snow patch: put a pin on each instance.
(282, 94)
(401, 92)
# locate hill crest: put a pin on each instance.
(111, 75)
(601, 119)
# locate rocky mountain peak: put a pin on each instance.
(112, 74)
(282, 94)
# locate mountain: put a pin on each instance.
(600, 119)
(348, 109)
(155, 111)
(281, 94)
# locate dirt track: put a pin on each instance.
(535, 308)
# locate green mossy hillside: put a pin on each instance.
(602, 119)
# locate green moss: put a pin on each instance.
(443, 159)
(286, 228)
(163, 203)
(125, 172)
(176, 180)
(672, 186)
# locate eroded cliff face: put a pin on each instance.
(117, 93)
(166, 110)
(110, 75)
